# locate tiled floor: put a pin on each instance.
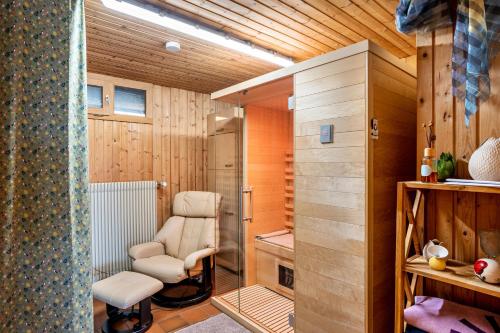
(165, 320)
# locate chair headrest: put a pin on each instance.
(196, 204)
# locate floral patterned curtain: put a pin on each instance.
(45, 266)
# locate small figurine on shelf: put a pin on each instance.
(435, 254)
(488, 269)
(428, 170)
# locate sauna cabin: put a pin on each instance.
(316, 143)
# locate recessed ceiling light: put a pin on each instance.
(173, 47)
(156, 16)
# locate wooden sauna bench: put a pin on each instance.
(273, 252)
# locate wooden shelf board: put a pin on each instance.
(456, 273)
(450, 187)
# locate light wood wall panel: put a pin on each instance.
(330, 222)
(173, 148)
(120, 151)
(455, 218)
(392, 101)
(345, 195)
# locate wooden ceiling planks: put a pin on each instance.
(126, 47)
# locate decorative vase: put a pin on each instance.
(488, 270)
(484, 164)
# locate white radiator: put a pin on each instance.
(123, 215)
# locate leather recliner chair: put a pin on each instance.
(190, 235)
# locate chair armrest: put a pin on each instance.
(191, 259)
(146, 250)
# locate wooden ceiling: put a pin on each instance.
(121, 46)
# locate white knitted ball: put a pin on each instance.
(484, 164)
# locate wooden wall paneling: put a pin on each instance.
(123, 153)
(489, 118)
(198, 142)
(108, 151)
(133, 153)
(191, 139)
(157, 147)
(116, 147)
(391, 99)
(488, 206)
(175, 143)
(444, 129)
(99, 144)
(182, 117)
(208, 107)
(166, 150)
(425, 114)
(91, 149)
(455, 219)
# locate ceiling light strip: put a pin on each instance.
(158, 17)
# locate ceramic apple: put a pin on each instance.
(487, 270)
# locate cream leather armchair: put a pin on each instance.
(190, 235)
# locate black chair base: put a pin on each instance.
(143, 318)
(203, 288)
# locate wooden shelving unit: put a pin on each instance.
(409, 270)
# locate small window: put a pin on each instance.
(94, 97)
(130, 101)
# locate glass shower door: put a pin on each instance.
(225, 178)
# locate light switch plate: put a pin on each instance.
(326, 134)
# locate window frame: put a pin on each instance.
(108, 84)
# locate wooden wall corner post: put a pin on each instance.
(400, 258)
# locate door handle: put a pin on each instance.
(247, 190)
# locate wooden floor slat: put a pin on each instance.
(266, 308)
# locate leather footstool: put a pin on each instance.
(120, 292)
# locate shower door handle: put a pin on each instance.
(247, 191)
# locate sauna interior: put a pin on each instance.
(252, 142)
(264, 166)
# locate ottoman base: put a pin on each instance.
(140, 320)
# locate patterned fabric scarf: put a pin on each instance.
(424, 15)
(476, 41)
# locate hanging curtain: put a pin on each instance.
(45, 265)
(423, 15)
(476, 41)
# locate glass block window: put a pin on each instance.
(94, 97)
(130, 101)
